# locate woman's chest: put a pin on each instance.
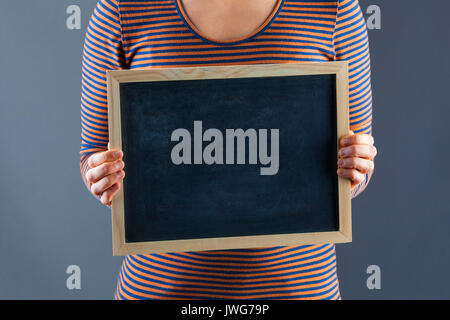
(158, 34)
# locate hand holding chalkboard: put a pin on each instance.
(356, 157)
(105, 174)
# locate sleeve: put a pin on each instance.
(102, 51)
(351, 44)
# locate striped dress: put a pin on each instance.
(146, 34)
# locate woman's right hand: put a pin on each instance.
(105, 174)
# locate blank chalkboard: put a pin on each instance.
(229, 157)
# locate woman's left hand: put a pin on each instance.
(356, 157)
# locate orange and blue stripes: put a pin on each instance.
(307, 272)
(158, 34)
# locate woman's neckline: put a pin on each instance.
(267, 23)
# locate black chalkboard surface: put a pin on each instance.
(231, 162)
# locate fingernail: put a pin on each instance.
(341, 152)
(340, 163)
(117, 154)
(118, 165)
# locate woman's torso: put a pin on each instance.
(156, 34)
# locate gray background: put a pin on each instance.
(48, 220)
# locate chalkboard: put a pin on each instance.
(229, 157)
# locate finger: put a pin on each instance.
(103, 170)
(100, 186)
(362, 151)
(354, 175)
(356, 139)
(106, 156)
(109, 194)
(360, 164)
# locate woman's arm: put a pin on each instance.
(102, 51)
(351, 44)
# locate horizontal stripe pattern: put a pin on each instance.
(307, 272)
(156, 34)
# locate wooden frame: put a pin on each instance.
(115, 78)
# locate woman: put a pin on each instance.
(134, 34)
